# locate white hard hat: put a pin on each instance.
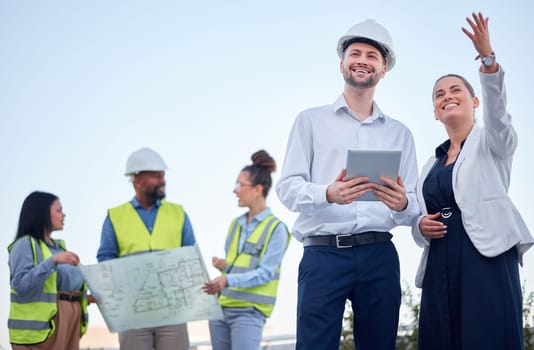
(144, 159)
(370, 30)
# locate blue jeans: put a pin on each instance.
(369, 276)
(240, 329)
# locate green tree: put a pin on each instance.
(408, 333)
(528, 333)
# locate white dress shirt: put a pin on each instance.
(480, 182)
(317, 152)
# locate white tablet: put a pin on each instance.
(373, 163)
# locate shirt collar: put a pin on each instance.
(258, 217)
(341, 104)
(442, 149)
(136, 204)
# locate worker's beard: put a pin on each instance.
(371, 81)
(156, 194)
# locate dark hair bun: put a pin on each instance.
(264, 160)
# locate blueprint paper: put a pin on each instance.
(153, 289)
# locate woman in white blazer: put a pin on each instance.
(472, 234)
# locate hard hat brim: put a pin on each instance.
(390, 57)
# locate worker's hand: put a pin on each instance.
(66, 258)
(91, 299)
(430, 227)
(347, 191)
(392, 194)
(219, 263)
(215, 286)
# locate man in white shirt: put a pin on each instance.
(348, 251)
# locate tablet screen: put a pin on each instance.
(373, 163)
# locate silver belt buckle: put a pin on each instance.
(342, 236)
(446, 212)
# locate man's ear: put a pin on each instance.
(136, 180)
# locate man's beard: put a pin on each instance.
(155, 195)
(368, 83)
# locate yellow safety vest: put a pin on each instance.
(31, 318)
(133, 236)
(261, 297)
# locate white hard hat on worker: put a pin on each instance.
(372, 33)
(144, 159)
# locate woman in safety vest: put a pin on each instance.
(48, 293)
(255, 245)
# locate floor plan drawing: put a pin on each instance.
(152, 289)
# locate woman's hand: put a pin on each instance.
(216, 285)
(480, 39)
(219, 263)
(431, 228)
(66, 258)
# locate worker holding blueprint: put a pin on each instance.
(145, 224)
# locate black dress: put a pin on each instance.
(468, 301)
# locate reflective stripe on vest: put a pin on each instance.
(39, 298)
(29, 325)
(261, 297)
(246, 296)
(235, 269)
(31, 318)
(133, 236)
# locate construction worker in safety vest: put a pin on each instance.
(144, 224)
(48, 294)
(255, 245)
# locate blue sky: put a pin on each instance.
(207, 83)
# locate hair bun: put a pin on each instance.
(262, 159)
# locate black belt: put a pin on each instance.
(348, 240)
(69, 297)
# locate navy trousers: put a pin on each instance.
(367, 275)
